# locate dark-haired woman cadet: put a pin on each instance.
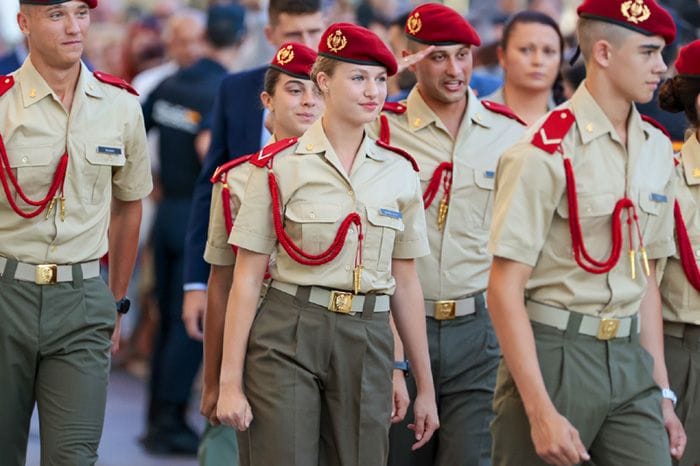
(308, 378)
(530, 54)
(680, 286)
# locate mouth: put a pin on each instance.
(306, 116)
(370, 105)
(455, 85)
(72, 43)
(536, 75)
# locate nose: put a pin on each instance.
(371, 89)
(537, 57)
(72, 24)
(309, 98)
(453, 67)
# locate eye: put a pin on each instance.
(381, 79)
(358, 77)
(294, 91)
(56, 15)
(438, 57)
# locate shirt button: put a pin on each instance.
(351, 231)
(53, 247)
(351, 193)
(312, 215)
(25, 160)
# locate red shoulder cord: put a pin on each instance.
(685, 249)
(220, 176)
(581, 254)
(302, 257)
(49, 200)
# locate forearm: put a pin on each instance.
(125, 221)
(651, 334)
(215, 320)
(399, 354)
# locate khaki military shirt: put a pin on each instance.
(459, 262)
(531, 213)
(499, 97)
(681, 301)
(106, 142)
(317, 195)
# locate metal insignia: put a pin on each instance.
(336, 41)
(635, 11)
(285, 55)
(414, 23)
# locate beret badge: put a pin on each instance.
(635, 11)
(414, 23)
(336, 41)
(285, 55)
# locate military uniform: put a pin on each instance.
(55, 338)
(585, 325)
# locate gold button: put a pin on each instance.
(478, 117)
(589, 127)
(309, 146)
(7, 80)
(25, 160)
(351, 231)
(588, 209)
(417, 122)
(562, 115)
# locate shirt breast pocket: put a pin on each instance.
(102, 159)
(34, 168)
(383, 224)
(651, 205)
(312, 225)
(595, 217)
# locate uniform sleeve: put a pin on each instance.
(217, 250)
(659, 241)
(254, 229)
(529, 186)
(412, 242)
(133, 181)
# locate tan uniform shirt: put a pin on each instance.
(499, 97)
(317, 195)
(459, 262)
(681, 301)
(531, 213)
(106, 142)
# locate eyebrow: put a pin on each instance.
(650, 47)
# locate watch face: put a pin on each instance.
(123, 305)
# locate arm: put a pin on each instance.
(409, 315)
(232, 407)
(556, 440)
(214, 321)
(123, 236)
(651, 338)
(400, 395)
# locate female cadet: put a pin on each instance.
(680, 286)
(530, 54)
(344, 217)
(293, 103)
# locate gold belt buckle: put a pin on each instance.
(341, 302)
(607, 329)
(46, 274)
(445, 310)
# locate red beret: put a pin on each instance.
(643, 16)
(437, 24)
(90, 3)
(294, 59)
(688, 62)
(355, 44)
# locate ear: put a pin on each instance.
(266, 100)
(322, 82)
(22, 22)
(601, 53)
(500, 54)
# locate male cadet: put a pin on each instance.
(73, 163)
(457, 141)
(579, 325)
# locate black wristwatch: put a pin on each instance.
(123, 305)
(402, 366)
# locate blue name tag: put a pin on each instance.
(489, 174)
(109, 150)
(658, 197)
(390, 213)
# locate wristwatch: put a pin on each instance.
(123, 305)
(402, 366)
(669, 395)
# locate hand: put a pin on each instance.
(426, 419)
(194, 303)
(117, 333)
(556, 441)
(400, 400)
(207, 406)
(676, 434)
(410, 60)
(233, 410)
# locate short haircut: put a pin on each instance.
(590, 31)
(291, 7)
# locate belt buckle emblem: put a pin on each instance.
(607, 329)
(46, 274)
(445, 310)
(341, 302)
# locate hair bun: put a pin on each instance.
(669, 99)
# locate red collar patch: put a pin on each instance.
(222, 170)
(656, 124)
(267, 153)
(503, 110)
(114, 81)
(394, 107)
(6, 83)
(551, 134)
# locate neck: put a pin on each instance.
(451, 114)
(344, 137)
(526, 103)
(616, 107)
(226, 56)
(61, 81)
(697, 133)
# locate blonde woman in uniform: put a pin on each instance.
(307, 379)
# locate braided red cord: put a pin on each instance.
(685, 249)
(441, 173)
(384, 131)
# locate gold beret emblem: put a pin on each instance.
(414, 23)
(336, 41)
(635, 11)
(285, 55)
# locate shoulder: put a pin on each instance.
(502, 109)
(222, 171)
(549, 135)
(396, 108)
(6, 83)
(267, 154)
(654, 125)
(114, 81)
(398, 151)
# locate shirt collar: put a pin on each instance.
(34, 87)
(420, 115)
(690, 158)
(314, 141)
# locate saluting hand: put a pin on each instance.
(556, 441)
(426, 419)
(676, 434)
(409, 60)
(234, 410)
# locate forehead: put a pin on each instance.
(637, 39)
(448, 49)
(345, 67)
(304, 21)
(533, 32)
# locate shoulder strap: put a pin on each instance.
(6, 83)
(222, 170)
(399, 151)
(502, 110)
(551, 134)
(394, 107)
(656, 124)
(114, 81)
(267, 153)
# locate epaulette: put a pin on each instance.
(394, 107)
(6, 83)
(399, 151)
(656, 124)
(114, 81)
(552, 132)
(503, 110)
(268, 152)
(222, 170)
